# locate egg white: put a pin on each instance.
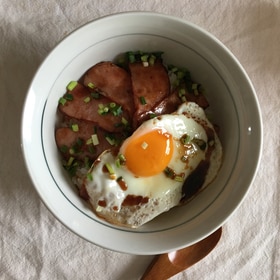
(163, 192)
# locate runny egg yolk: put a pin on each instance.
(148, 154)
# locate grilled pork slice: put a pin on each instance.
(113, 81)
(150, 85)
(82, 103)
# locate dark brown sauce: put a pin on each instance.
(196, 179)
(122, 184)
(83, 192)
(132, 200)
(102, 203)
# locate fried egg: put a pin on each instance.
(146, 176)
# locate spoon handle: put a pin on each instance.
(160, 269)
(167, 265)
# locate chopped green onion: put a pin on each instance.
(95, 95)
(169, 172)
(116, 110)
(91, 149)
(200, 143)
(142, 100)
(79, 142)
(152, 115)
(110, 170)
(63, 149)
(89, 176)
(110, 140)
(72, 85)
(75, 127)
(194, 86)
(101, 110)
(68, 96)
(182, 92)
(95, 140)
(70, 161)
(91, 85)
(180, 75)
(152, 60)
(87, 99)
(145, 63)
(88, 162)
(122, 159)
(185, 139)
(62, 101)
(144, 145)
(131, 57)
(118, 163)
(179, 178)
(71, 151)
(124, 121)
(89, 141)
(144, 58)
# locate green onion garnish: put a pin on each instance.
(63, 149)
(94, 139)
(62, 101)
(111, 140)
(89, 141)
(91, 85)
(152, 115)
(200, 143)
(144, 58)
(116, 110)
(142, 100)
(185, 139)
(72, 85)
(87, 99)
(122, 159)
(75, 127)
(68, 96)
(144, 145)
(89, 176)
(110, 170)
(179, 178)
(95, 95)
(182, 92)
(169, 172)
(152, 60)
(131, 57)
(70, 161)
(124, 121)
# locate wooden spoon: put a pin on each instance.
(167, 265)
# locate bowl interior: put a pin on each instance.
(233, 107)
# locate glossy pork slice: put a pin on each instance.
(170, 104)
(113, 81)
(167, 106)
(80, 103)
(81, 139)
(150, 85)
(199, 99)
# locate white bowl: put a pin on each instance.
(233, 106)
